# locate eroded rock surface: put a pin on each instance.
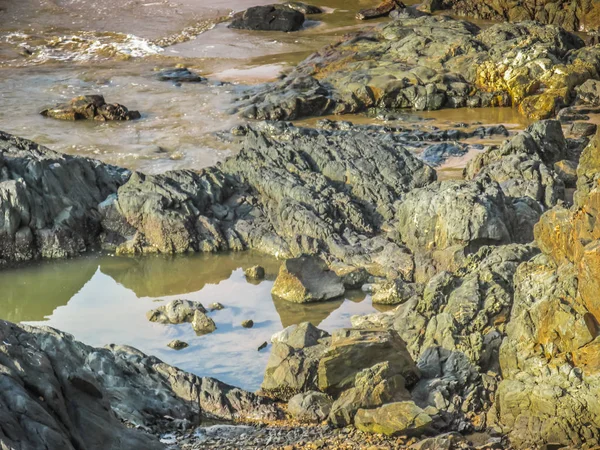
(433, 62)
(59, 393)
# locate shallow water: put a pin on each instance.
(103, 300)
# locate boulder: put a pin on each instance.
(176, 311)
(268, 18)
(589, 93)
(299, 336)
(373, 386)
(399, 418)
(202, 324)
(307, 279)
(90, 107)
(310, 407)
(179, 75)
(352, 351)
(383, 9)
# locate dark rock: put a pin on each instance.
(49, 201)
(75, 396)
(303, 8)
(180, 75)
(268, 18)
(90, 107)
(437, 154)
(248, 323)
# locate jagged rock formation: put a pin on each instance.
(48, 201)
(579, 15)
(433, 62)
(90, 107)
(59, 393)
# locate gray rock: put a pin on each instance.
(300, 336)
(75, 396)
(588, 93)
(307, 279)
(311, 407)
(49, 201)
(255, 273)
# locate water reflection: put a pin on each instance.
(103, 300)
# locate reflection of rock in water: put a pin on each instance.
(295, 313)
(33, 292)
(158, 276)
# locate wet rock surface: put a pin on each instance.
(90, 107)
(429, 63)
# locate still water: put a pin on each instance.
(102, 300)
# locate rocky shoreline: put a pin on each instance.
(493, 342)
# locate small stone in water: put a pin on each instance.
(215, 306)
(261, 346)
(248, 323)
(255, 273)
(176, 344)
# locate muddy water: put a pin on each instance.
(104, 300)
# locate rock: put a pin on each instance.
(215, 307)
(61, 220)
(583, 129)
(437, 154)
(77, 396)
(562, 13)
(90, 107)
(373, 387)
(300, 336)
(180, 75)
(176, 344)
(446, 441)
(202, 324)
(262, 346)
(255, 273)
(306, 279)
(268, 18)
(352, 277)
(384, 8)
(292, 366)
(310, 407)
(588, 93)
(460, 65)
(395, 292)
(351, 351)
(567, 172)
(303, 8)
(176, 311)
(404, 418)
(248, 323)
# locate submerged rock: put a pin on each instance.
(175, 312)
(90, 107)
(248, 323)
(76, 396)
(269, 18)
(180, 75)
(307, 279)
